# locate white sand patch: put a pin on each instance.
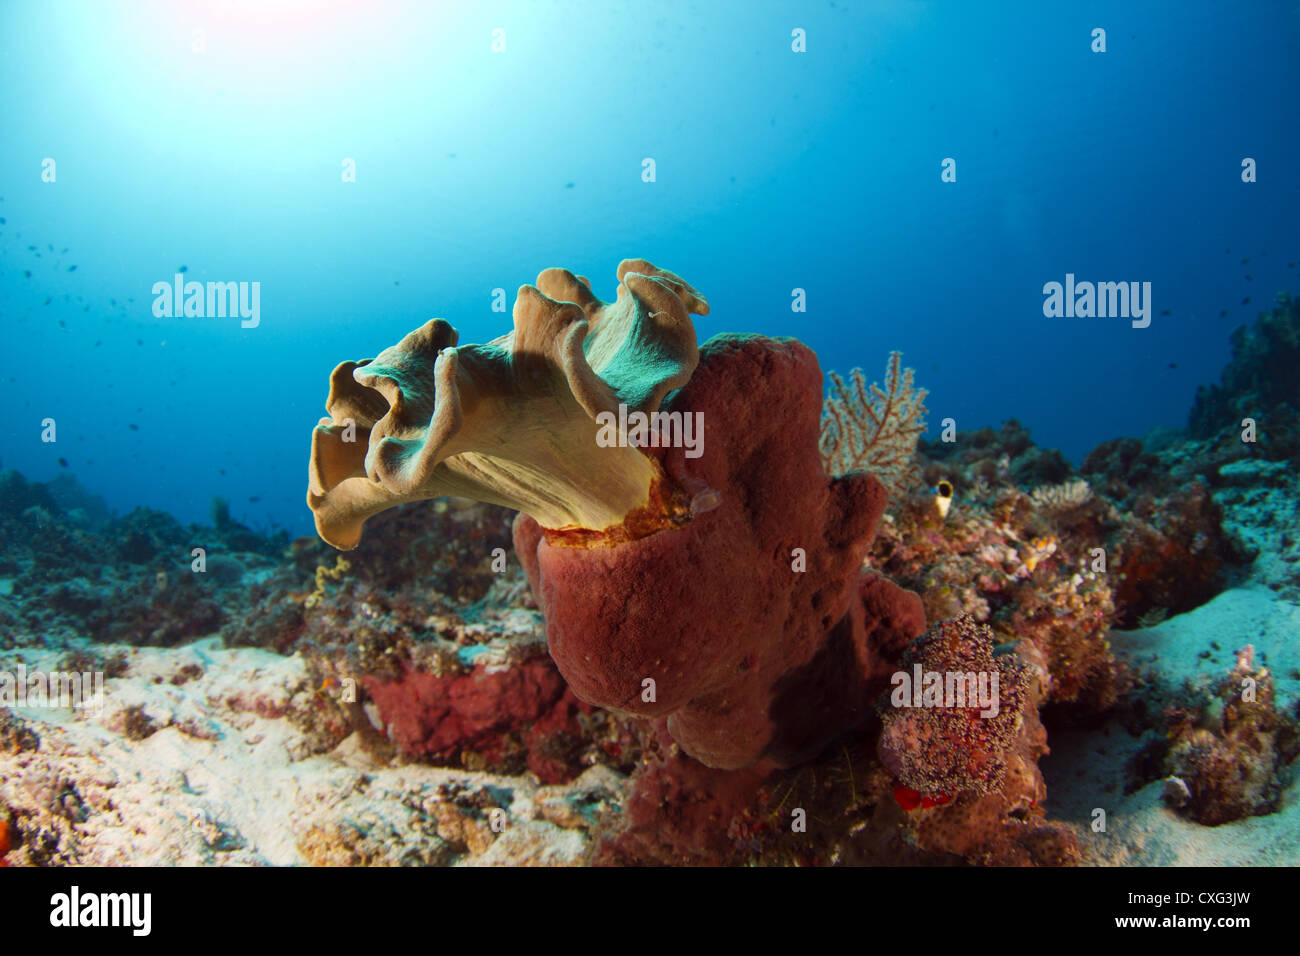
(226, 779)
(1140, 829)
(1241, 616)
(1086, 769)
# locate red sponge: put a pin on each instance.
(753, 628)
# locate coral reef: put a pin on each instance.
(1027, 570)
(129, 579)
(1225, 759)
(1235, 502)
(431, 629)
(1260, 504)
(1169, 553)
(841, 808)
(780, 544)
(1258, 383)
(403, 706)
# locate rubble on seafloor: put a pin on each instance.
(398, 706)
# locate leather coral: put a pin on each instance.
(512, 422)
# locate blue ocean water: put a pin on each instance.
(490, 141)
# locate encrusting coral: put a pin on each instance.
(936, 745)
(632, 547)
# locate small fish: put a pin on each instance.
(1250, 278)
(27, 273)
(63, 462)
(1165, 312)
(568, 185)
(47, 300)
(2, 220)
(72, 268)
(1245, 260)
(133, 426)
(50, 246)
(183, 269)
(254, 498)
(1223, 314)
(1173, 365)
(1246, 301)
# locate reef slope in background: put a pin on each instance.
(225, 737)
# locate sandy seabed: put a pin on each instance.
(224, 775)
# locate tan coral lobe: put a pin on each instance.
(511, 422)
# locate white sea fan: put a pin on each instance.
(874, 429)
